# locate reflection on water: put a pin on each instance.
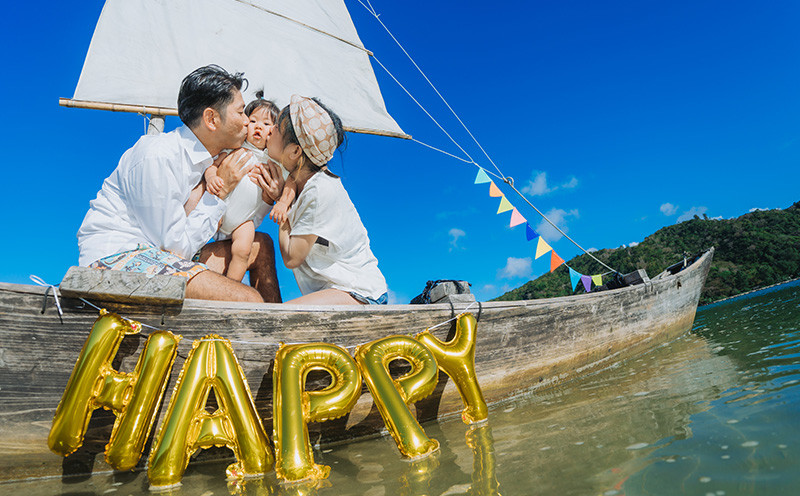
(713, 412)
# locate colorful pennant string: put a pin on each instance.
(482, 177)
(530, 233)
(555, 261)
(505, 205)
(574, 278)
(542, 247)
(517, 218)
(587, 283)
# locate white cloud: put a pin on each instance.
(515, 267)
(719, 217)
(592, 250)
(689, 214)
(397, 299)
(668, 209)
(455, 234)
(559, 217)
(489, 288)
(633, 243)
(756, 209)
(537, 186)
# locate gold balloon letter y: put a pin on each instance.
(456, 358)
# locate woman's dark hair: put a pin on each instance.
(209, 86)
(261, 102)
(284, 123)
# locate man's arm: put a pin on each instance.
(153, 194)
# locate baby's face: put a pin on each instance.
(260, 122)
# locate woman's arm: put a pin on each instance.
(294, 249)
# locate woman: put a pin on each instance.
(323, 240)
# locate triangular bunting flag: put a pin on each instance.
(542, 247)
(530, 233)
(587, 283)
(597, 280)
(516, 218)
(494, 191)
(505, 206)
(482, 177)
(574, 278)
(555, 261)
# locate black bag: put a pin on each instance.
(461, 287)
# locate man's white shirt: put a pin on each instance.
(141, 202)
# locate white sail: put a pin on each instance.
(142, 49)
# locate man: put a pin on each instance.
(141, 221)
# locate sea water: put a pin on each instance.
(714, 412)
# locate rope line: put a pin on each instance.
(506, 179)
(472, 161)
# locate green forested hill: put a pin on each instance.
(757, 249)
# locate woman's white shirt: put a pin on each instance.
(324, 209)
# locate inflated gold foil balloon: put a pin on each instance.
(392, 396)
(188, 427)
(456, 358)
(293, 407)
(133, 398)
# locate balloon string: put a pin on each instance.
(38, 280)
(41, 282)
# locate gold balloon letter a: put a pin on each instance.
(133, 397)
(393, 396)
(293, 407)
(456, 358)
(188, 427)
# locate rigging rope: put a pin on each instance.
(506, 179)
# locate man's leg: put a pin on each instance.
(209, 285)
(263, 276)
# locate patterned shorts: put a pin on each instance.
(151, 261)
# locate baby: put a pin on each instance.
(246, 209)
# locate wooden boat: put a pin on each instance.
(521, 346)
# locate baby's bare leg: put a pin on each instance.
(241, 244)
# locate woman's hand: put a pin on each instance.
(269, 178)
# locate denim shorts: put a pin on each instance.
(382, 299)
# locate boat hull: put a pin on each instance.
(521, 346)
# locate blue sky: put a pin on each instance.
(618, 117)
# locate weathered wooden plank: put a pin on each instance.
(120, 286)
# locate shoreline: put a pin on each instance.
(765, 289)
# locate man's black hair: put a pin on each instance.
(209, 86)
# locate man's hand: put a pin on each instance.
(232, 168)
(269, 178)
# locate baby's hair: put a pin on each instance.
(261, 102)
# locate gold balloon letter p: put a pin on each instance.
(293, 407)
(132, 397)
(392, 396)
